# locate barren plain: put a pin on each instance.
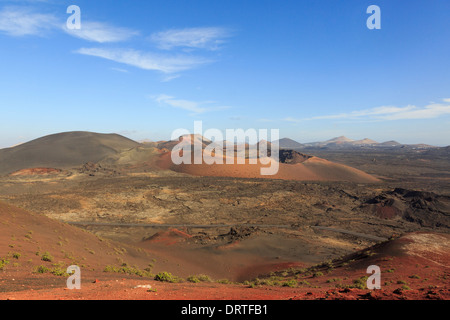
(126, 220)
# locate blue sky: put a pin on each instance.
(145, 68)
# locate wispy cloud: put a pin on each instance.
(146, 60)
(388, 113)
(290, 119)
(209, 38)
(168, 78)
(101, 32)
(188, 105)
(19, 21)
(23, 21)
(120, 70)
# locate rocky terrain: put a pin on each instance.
(125, 218)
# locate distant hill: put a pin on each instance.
(343, 142)
(63, 150)
(340, 139)
(365, 141)
(390, 143)
(188, 139)
(287, 143)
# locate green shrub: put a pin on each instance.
(405, 287)
(16, 255)
(193, 279)
(46, 257)
(290, 283)
(128, 270)
(167, 277)
(204, 278)
(390, 270)
(224, 281)
(317, 274)
(360, 283)
(58, 271)
(199, 278)
(3, 263)
(41, 269)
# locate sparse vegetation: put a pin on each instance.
(128, 270)
(290, 283)
(41, 269)
(16, 255)
(57, 270)
(193, 279)
(90, 250)
(360, 283)
(317, 274)
(224, 281)
(167, 277)
(3, 263)
(46, 257)
(199, 278)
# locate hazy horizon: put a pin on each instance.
(168, 139)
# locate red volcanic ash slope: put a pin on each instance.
(29, 241)
(36, 171)
(414, 266)
(311, 169)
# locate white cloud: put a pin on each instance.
(23, 21)
(428, 112)
(145, 60)
(15, 21)
(209, 38)
(389, 113)
(192, 106)
(101, 32)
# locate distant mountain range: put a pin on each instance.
(82, 152)
(74, 149)
(344, 142)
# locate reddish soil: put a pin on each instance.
(414, 266)
(169, 237)
(312, 169)
(36, 171)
